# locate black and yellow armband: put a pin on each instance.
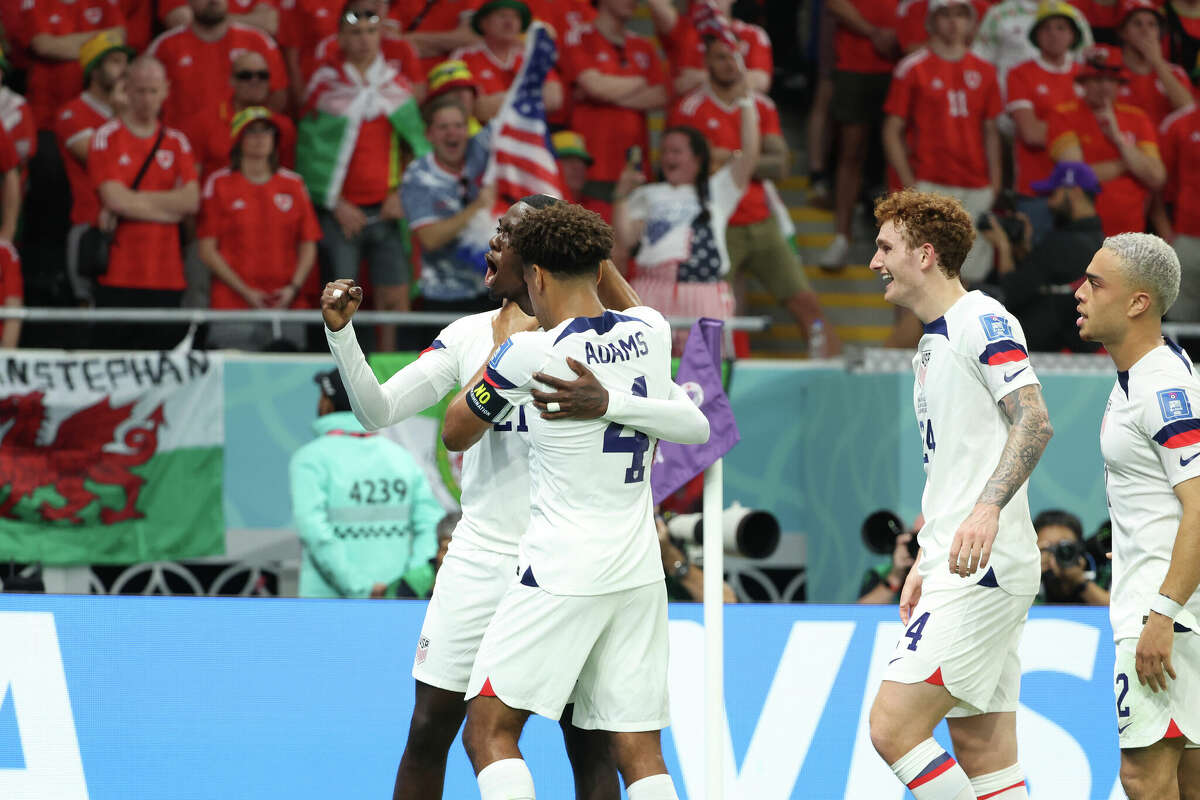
(485, 401)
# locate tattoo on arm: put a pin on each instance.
(1029, 431)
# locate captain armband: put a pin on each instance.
(485, 402)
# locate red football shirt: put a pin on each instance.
(1147, 93)
(8, 154)
(144, 255)
(139, 19)
(399, 53)
(685, 48)
(1039, 87)
(585, 48)
(721, 125)
(1180, 140)
(17, 117)
(944, 105)
(562, 15)
(258, 228)
(303, 24)
(200, 71)
(52, 84)
(367, 175)
(1122, 200)
(854, 53)
(211, 138)
(78, 120)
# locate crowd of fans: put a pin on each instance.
(1055, 123)
(237, 153)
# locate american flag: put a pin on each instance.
(522, 160)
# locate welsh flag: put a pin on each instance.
(111, 458)
(338, 101)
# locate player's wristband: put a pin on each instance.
(1166, 606)
(485, 401)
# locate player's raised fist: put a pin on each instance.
(339, 301)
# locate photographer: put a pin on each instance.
(685, 581)
(1067, 575)
(882, 584)
(1039, 281)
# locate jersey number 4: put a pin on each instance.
(615, 440)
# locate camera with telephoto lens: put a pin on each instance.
(881, 529)
(1068, 552)
(746, 532)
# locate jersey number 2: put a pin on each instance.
(615, 440)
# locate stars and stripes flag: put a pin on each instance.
(522, 160)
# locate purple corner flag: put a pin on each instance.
(700, 376)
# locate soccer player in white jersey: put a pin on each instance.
(1149, 438)
(983, 427)
(495, 492)
(587, 620)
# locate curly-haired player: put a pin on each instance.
(983, 427)
(587, 620)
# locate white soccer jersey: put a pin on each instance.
(591, 527)
(966, 362)
(1150, 438)
(495, 472)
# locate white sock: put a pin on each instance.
(930, 773)
(1005, 784)
(656, 787)
(507, 779)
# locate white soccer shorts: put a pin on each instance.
(467, 591)
(1144, 717)
(606, 653)
(965, 639)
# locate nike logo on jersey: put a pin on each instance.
(1183, 462)
(1008, 377)
(1121, 728)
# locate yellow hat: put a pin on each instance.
(568, 144)
(450, 75)
(96, 48)
(243, 118)
(1057, 8)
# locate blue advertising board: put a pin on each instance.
(176, 698)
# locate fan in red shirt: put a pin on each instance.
(754, 241)
(397, 51)
(562, 15)
(303, 25)
(53, 28)
(145, 268)
(615, 77)
(199, 60)
(104, 61)
(436, 28)
(258, 232)
(208, 129)
(1116, 140)
(261, 14)
(1180, 140)
(494, 62)
(1154, 85)
(684, 46)
(1034, 89)
(940, 133)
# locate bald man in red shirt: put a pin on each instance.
(145, 264)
